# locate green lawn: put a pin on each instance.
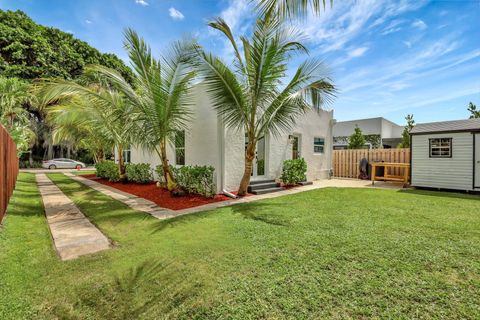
(330, 253)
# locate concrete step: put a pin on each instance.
(261, 181)
(305, 183)
(268, 190)
(266, 185)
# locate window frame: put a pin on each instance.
(178, 148)
(319, 145)
(450, 148)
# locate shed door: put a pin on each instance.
(477, 160)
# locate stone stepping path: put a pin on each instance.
(134, 202)
(73, 234)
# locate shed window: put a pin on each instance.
(318, 145)
(180, 148)
(441, 148)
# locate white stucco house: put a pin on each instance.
(208, 142)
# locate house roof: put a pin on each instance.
(447, 126)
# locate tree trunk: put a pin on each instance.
(167, 174)
(30, 158)
(69, 153)
(121, 163)
(247, 173)
(50, 150)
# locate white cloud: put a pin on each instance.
(141, 2)
(175, 14)
(394, 26)
(358, 52)
(88, 21)
(408, 44)
(236, 13)
(335, 29)
(419, 24)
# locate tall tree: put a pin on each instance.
(357, 139)
(90, 106)
(14, 94)
(161, 101)
(30, 51)
(406, 131)
(474, 113)
(291, 8)
(252, 96)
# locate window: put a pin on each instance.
(318, 145)
(126, 155)
(441, 148)
(180, 148)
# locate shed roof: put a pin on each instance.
(447, 126)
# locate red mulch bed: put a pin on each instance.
(160, 196)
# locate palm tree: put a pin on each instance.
(14, 97)
(161, 100)
(248, 95)
(291, 8)
(75, 127)
(14, 94)
(97, 107)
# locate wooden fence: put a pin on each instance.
(346, 163)
(8, 169)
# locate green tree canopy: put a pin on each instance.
(406, 132)
(474, 113)
(29, 50)
(357, 139)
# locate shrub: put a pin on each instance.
(108, 170)
(192, 179)
(294, 171)
(139, 172)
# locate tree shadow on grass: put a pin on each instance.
(263, 212)
(151, 288)
(180, 220)
(453, 194)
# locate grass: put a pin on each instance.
(329, 253)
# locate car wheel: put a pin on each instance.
(52, 166)
(78, 167)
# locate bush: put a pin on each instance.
(192, 179)
(139, 172)
(196, 179)
(294, 171)
(108, 170)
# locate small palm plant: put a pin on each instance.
(161, 99)
(251, 95)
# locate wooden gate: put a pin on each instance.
(8, 169)
(346, 162)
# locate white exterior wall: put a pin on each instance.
(313, 124)
(368, 126)
(448, 173)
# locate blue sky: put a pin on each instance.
(388, 58)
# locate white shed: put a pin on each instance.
(446, 155)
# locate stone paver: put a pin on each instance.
(150, 207)
(73, 234)
(130, 200)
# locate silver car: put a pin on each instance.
(62, 163)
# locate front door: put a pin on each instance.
(477, 160)
(258, 171)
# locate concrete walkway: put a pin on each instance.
(73, 234)
(153, 209)
(130, 200)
